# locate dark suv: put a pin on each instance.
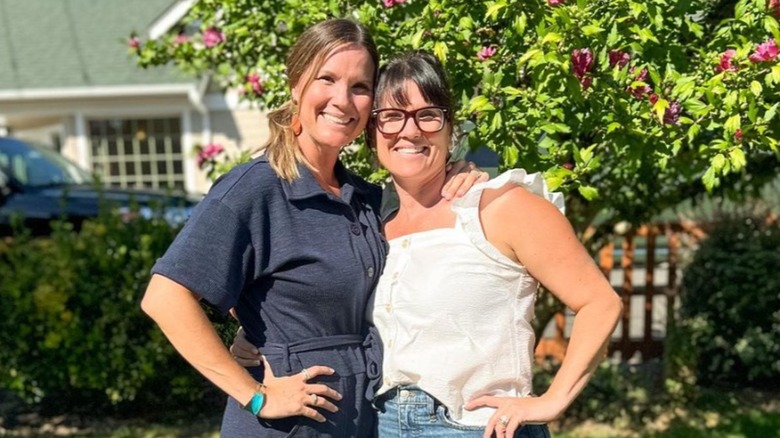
(39, 186)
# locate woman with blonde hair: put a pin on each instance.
(292, 241)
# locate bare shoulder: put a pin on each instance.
(516, 220)
(518, 204)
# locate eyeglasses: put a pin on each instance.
(392, 120)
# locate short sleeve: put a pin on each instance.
(212, 256)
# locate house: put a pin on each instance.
(68, 79)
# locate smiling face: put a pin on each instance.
(334, 107)
(412, 153)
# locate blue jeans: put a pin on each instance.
(408, 411)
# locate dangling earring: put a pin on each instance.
(295, 122)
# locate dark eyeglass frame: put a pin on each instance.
(411, 115)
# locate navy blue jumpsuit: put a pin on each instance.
(299, 265)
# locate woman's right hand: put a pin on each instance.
(294, 395)
(286, 396)
(244, 352)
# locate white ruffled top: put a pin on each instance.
(454, 313)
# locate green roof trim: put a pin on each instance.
(47, 44)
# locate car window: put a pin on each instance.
(37, 166)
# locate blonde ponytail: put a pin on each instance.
(282, 148)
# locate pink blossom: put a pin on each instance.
(641, 76)
(774, 8)
(725, 61)
(212, 37)
(653, 99)
(619, 58)
(134, 42)
(208, 153)
(180, 39)
(639, 91)
(256, 83)
(486, 53)
(738, 135)
(672, 113)
(391, 3)
(554, 2)
(766, 51)
(581, 63)
(568, 166)
(586, 82)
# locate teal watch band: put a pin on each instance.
(257, 401)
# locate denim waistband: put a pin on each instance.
(408, 395)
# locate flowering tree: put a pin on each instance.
(628, 106)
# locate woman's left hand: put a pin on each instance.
(513, 412)
(461, 176)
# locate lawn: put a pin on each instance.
(716, 414)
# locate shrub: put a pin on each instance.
(72, 328)
(729, 322)
(619, 394)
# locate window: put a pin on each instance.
(138, 153)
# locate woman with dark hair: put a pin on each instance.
(292, 241)
(455, 301)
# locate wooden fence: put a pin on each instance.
(643, 267)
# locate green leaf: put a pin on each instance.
(645, 34)
(553, 181)
(737, 158)
(660, 108)
(770, 113)
(552, 38)
(511, 156)
(717, 162)
(693, 131)
(771, 26)
(592, 29)
(497, 123)
(440, 50)
(417, 38)
(695, 28)
(756, 88)
(511, 91)
(466, 22)
(710, 179)
(492, 12)
(613, 37)
(613, 126)
(684, 87)
(776, 74)
(696, 107)
(528, 55)
(588, 192)
(730, 100)
(520, 24)
(480, 103)
(732, 124)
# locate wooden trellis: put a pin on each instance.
(647, 345)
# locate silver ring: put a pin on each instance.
(306, 374)
(314, 398)
(504, 420)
